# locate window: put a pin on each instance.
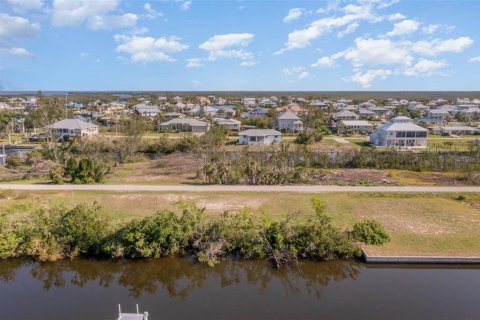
(421, 134)
(400, 134)
(411, 134)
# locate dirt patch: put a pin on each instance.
(353, 177)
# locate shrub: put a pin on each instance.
(9, 238)
(56, 174)
(13, 162)
(370, 232)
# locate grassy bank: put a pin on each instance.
(418, 224)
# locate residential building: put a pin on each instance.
(400, 132)
(290, 122)
(70, 128)
(259, 137)
(145, 110)
(231, 124)
(355, 126)
(345, 115)
(184, 125)
(257, 112)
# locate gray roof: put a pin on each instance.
(260, 133)
(189, 121)
(288, 116)
(401, 123)
(72, 124)
(356, 123)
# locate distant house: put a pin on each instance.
(173, 115)
(400, 132)
(184, 125)
(355, 126)
(145, 110)
(257, 112)
(449, 130)
(289, 121)
(249, 102)
(345, 115)
(293, 107)
(203, 111)
(231, 124)
(69, 128)
(365, 114)
(438, 114)
(259, 136)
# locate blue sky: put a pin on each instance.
(239, 45)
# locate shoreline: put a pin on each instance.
(435, 260)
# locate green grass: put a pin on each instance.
(419, 224)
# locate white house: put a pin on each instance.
(146, 110)
(400, 132)
(355, 126)
(345, 115)
(289, 121)
(184, 125)
(231, 124)
(259, 136)
(69, 128)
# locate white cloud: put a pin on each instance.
(194, 63)
(95, 14)
(186, 5)
(293, 14)
(353, 13)
(366, 78)
(396, 16)
(220, 46)
(144, 49)
(377, 52)
(324, 62)
(195, 83)
(223, 41)
(332, 5)
(112, 22)
(247, 64)
(12, 27)
(351, 28)
(475, 59)
(303, 75)
(21, 52)
(404, 27)
(298, 72)
(437, 46)
(425, 67)
(25, 5)
(151, 13)
(84, 55)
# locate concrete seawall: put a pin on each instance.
(420, 259)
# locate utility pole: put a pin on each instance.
(66, 103)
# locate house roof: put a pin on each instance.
(288, 116)
(362, 123)
(401, 123)
(345, 113)
(226, 121)
(72, 124)
(260, 133)
(188, 121)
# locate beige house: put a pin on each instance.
(184, 125)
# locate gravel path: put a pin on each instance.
(236, 188)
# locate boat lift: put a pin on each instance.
(132, 316)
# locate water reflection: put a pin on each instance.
(179, 277)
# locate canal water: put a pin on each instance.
(175, 288)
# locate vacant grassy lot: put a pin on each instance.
(419, 224)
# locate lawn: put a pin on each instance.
(419, 224)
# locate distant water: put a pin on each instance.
(175, 288)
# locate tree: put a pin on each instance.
(133, 129)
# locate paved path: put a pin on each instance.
(230, 188)
(341, 140)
